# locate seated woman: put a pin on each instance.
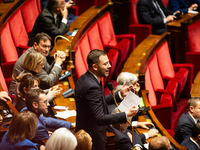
(22, 129)
(182, 5)
(84, 140)
(61, 139)
(25, 82)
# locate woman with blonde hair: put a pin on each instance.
(22, 129)
(61, 139)
(84, 140)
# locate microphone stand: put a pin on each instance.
(110, 86)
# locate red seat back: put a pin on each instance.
(165, 2)
(153, 80)
(133, 18)
(2, 81)
(106, 30)
(8, 50)
(30, 11)
(193, 37)
(163, 56)
(17, 29)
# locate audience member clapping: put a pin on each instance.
(62, 139)
(84, 140)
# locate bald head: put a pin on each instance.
(159, 143)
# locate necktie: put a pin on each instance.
(159, 9)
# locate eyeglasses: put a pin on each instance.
(45, 46)
(45, 102)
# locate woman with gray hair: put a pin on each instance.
(127, 78)
(61, 139)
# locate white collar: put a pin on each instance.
(98, 79)
(195, 142)
(193, 118)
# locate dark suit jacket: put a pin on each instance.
(181, 5)
(189, 144)
(45, 22)
(148, 14)
(92, 112)
(71, 17)
(122, 141)
(184, 128)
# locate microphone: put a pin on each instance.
(110, 87)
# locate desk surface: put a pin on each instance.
(184, 18)
(195, 92)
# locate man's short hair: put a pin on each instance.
(192, 102)
(41, 36)
(33, 96)
(196, 130)
(93, 57)
(52, 4)
(159, 143)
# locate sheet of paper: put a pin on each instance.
(65, 114)
(130, 100)
(61, 107)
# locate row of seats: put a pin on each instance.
(14, 35)
(166, 83)
(101, 36)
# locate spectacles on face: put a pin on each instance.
(45, 46)
(45, 102)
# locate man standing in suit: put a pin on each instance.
(91, 103)
(193, 143)
(188, 120)
(154, 13)
(52, 20)
(50, 73)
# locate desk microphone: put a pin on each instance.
(110, 87)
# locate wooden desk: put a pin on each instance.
(195, 92)
(178, 29)
(69, 101)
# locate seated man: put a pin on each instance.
(154, 13)
(36, 102)
(188, 120)
(71, 17)
(160, 143)
(193, 143)
(182, 5)
(42, 44)
(123, 136)
(52, 20)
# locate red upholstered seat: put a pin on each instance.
(165, 83)
(141, 31)
(30, 11)
(124, 44)
(193, 52)
(3, 83)
(182, 73)
(20, 36)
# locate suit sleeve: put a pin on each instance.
(48, 80)
(55, 123)
(175, 5)
(94, 97)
